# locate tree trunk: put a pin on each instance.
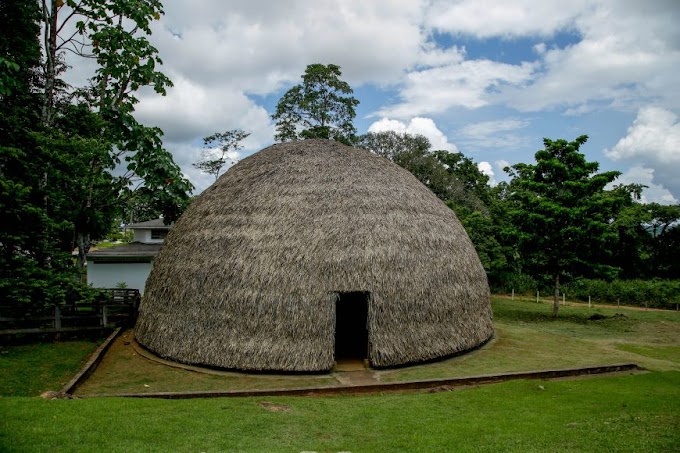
(556, 301)
(84, 244)
(50, 43)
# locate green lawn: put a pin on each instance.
(30, 369)
(634, 412)
(624, 413)
(528, 338)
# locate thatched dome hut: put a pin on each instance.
(312, 250)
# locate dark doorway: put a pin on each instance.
(351, 325)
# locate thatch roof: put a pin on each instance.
(248, 275)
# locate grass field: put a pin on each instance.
(636, 412)
(527, 338)
(624, 413)
(30, 369)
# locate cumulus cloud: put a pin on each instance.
(655, 135)
(191, 110)
(504, 18)
(653, 193)
(259, 45)
(466, 84)
(653, 140)
(486, 169)
(230, 60)
(496, 133)
(422, 126)
(628, 52)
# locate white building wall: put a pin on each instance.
(109, 275)
(141, 235)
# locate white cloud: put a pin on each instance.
(540, 48)
(486, 169)
(422, 126)
(259, 45)
(655, 135)
(653, 140)
(191, 111)
(467, 84)
(501, 164)
(628, 53)
(484, 129)
(516, 18)
(223, 56)
(496, 133)
(654, 192)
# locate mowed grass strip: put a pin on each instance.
(528, 338)
(30, 369)
(622, 413)
(123, 370)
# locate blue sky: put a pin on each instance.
(489, 79)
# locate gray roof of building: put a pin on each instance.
(155, 224)
(133, 250)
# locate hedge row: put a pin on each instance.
(651, 293)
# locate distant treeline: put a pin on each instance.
(654, 293)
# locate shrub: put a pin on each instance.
(652, 293)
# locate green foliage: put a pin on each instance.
(562, 213)
(320, 107)
(507, 282)
(219, 145)
(8, 82)
(641, 293)
(71, 159)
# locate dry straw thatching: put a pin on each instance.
(248, 276)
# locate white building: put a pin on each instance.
(129, 263)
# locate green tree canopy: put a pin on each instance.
(72, 157)
(218, 146)
(563, 214)
(320, 107)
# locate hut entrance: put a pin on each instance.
(351, 325)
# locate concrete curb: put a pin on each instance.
(394, 387)
(91, 364)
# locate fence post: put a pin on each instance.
(564, 299)
(57, 317)
(513, 293)
(105, 321)
(588, 301)
(538, 294)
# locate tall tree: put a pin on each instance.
(219, 147)
(663, 227)
(34, 268)
(113, 33)
(320, 107)
(70, 158)
(562, 212)
(412, 152)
